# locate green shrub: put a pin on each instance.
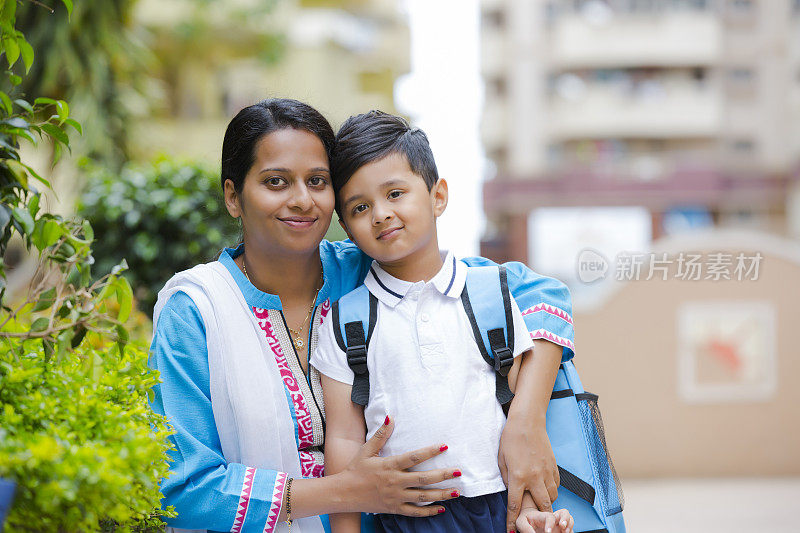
(162, 218)
(78, 436)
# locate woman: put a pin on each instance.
(232, 342)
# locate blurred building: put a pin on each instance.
(677, 106)
(214, 58)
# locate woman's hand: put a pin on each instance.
(375, 484)
(527, 463)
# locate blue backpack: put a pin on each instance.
(589, 487)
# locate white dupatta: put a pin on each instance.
(247, 393)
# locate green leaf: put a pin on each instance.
(40, 324)
(18, 169)
(88, 232)
(24, 218)
(5, 216)
(17, 122)
(123, 265)
(33, 205)
(14, 79)
(75, 124)
(80, 333)
(46, 300)
(9, 107)
(9, 11)
(68, 5)
(125, 299)
(24, 105)
(46, 233)
(63, 110)
(26, 50)
(56, 133)
(42, 100)
(12, 49)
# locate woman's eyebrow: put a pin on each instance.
(286, 170)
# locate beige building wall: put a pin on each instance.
(716, 86)
(342, 57)
(630, 351)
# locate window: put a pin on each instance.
(496, 87)
(494, 19)
(740, 81)
(743, 146)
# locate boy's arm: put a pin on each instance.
(526, 459)
(344, 434)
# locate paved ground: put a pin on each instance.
(729, 505)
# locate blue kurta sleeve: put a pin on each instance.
(345, 266)
(545, 303)
(206, 491)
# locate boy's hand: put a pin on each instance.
(532, 521)
(527, 464)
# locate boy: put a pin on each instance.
(424, 365)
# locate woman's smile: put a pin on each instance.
(296, 222)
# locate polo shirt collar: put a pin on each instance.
(449, 281)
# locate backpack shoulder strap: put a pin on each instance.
(354, 317)
(487, 302)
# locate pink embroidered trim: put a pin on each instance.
(552, 337)
(305, 424)
(277, 502)
(323, 310)
(551, 309)
(309, 467)
(244, 499)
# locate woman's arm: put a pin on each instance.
(206, 491)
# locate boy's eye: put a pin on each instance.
(360, 208)
(395, 194)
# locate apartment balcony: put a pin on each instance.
(609, 114)
(628, 40)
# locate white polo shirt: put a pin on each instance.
(425, 369)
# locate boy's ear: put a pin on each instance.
(439, 197)
(231, 199)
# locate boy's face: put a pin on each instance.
(389, 213)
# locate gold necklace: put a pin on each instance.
(296, 334)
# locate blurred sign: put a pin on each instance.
(726, 351)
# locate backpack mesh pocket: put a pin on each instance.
(609, 487)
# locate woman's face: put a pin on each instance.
(287, 200)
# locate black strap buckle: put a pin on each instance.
(503, 360)
(357, 358)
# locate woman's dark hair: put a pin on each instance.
(371, 136)
(253, 122)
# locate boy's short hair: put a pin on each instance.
(371, 136)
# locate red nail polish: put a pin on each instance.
(443, 448)
(441, 510)
(386, 422)
(454, 494)
(457, 473)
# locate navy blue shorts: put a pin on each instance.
(481, 514)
